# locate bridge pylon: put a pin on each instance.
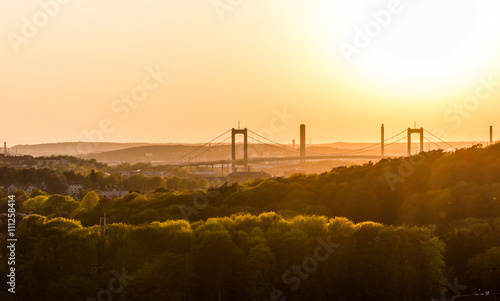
(235, 132)
(419, 131)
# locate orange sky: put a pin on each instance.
(88, 70)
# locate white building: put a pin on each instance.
(113, 193)
(74, 189)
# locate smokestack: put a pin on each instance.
(5, 148)
(491, 135)
(293, 143)
(382, 141)
(302, 140)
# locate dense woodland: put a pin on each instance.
(399, 227)
(79, 171)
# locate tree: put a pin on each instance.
(56, 184)
(89, 201)
(35, 204)
(37, 192)
(93, 178)
(260, 266)
(58, 205)
(167, 277)
(216, 260)
(484, 269)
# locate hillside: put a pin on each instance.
(168, 153)
(196, 152)
(68, 148)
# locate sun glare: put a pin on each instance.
(422, 47)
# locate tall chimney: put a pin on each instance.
(491, 135)
(5, 148)
(302, 140)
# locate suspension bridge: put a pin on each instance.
(375, 151)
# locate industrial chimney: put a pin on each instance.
(302, 140)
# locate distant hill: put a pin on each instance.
(169, 153)
(69, 148)
(196, 152)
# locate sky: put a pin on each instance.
(187, 71)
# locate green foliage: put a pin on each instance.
(52, 206)
(484, 269)
(35, 204)
(89, 201)
(168, 276)
(57, 183)
(243, 257)
(37, 192)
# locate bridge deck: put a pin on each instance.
(276, 159)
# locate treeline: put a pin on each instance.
(84, 166)
(242, 257)
(432, 188)
(57, 182)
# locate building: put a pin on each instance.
(28, 188)
(11, 188)
(291, 172)
(144, 173)
(112, 193)
(244, 176)
(48, 162)
(74, 189)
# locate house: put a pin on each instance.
(128, 173)
(12, 188)
(30, 188)
(112, 193)
(74, 189)
(144, 173)
(245, 176)
(209, 175)
(48, 162)
(153, 173)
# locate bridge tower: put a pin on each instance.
(419, 131)
(302, 141)
(235, 132)
(382, 141)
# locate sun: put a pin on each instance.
(420, 46)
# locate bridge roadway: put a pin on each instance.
(275, 159)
